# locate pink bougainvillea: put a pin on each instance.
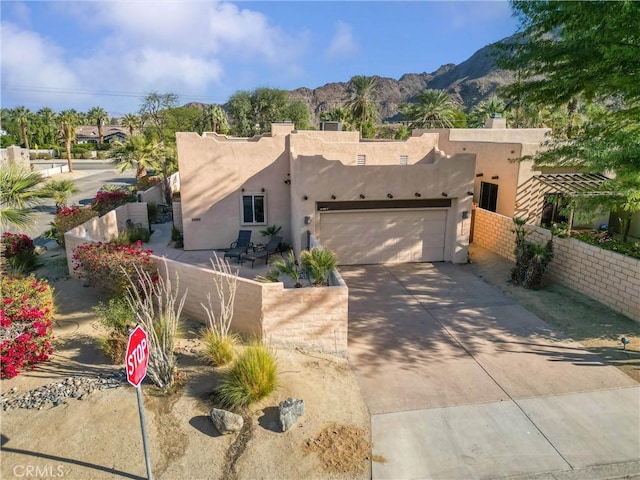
(26, 316)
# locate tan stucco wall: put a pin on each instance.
(213, 173)
(318, 179)
(495, 149)
(214, 170)
(608, 277)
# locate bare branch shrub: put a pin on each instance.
(157, 309)
(226, 286)
(219, 344)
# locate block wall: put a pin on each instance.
(608, 277)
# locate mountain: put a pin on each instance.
(471, 82)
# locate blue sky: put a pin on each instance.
(63, 54)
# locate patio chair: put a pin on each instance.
(269, 249)
(240, 246)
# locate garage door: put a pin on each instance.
(387, 236)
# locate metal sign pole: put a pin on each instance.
(147, 458)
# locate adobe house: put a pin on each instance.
(369, 201)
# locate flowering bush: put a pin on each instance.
(604, 239)
(69, 218)
(107, 201)
(19, 252)
(25, 324)
(107, 265)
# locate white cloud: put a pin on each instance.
(190, 48)
(29, 60)
(473, 14)
(343, 45)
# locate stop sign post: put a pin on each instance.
(136, 361)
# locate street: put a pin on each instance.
(88, 176)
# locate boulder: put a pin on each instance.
(290, 410)
(226, 422)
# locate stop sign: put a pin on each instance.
(137, 356)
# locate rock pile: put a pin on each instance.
(55, 393)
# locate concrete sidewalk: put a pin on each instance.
(463, 383)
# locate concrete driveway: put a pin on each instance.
(463, 383)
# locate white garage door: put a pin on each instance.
(388, 236)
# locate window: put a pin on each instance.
(362, 160)
(404, 159)
(254, 209)
(488, 196)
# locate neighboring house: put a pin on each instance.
(110, 133)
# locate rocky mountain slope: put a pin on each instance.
(471, 82)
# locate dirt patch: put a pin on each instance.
(343, 449)
(581, 318)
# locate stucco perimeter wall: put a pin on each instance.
(103, 229)
(214, 170)
(608, 277)
(152, 195)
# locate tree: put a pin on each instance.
(154, 111)
(46, 127)
(565, 51)
(131, 121)
(338, 114)
(138, 152)
(432, 109)
(60, 191)
(99, 117)
(217, 119)
(22, 114)
(483, 110)
(68, 121)
(19, 193)
(361, 105)
(253, 112)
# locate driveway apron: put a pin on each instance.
(461, 382)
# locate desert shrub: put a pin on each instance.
(157, 308)
(116, 316)
(25, 324)
(175, 233)
(107, 201)
(252, 377)
(19, 252)
(87, 155)
(532, 259)
(138, 234)
(219, 342)
(109, 265)
(318, 264)
(219, 349)
(101, 155)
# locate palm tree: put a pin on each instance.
(217, 119)
(47, 126)
(484, 110)
(68, 120)
(22, 114)
(138, 152)
(338, 114)
(131, 121)
(60, 191)
(361, 105)
(432, 109)
(19, 193)
(99, 117)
